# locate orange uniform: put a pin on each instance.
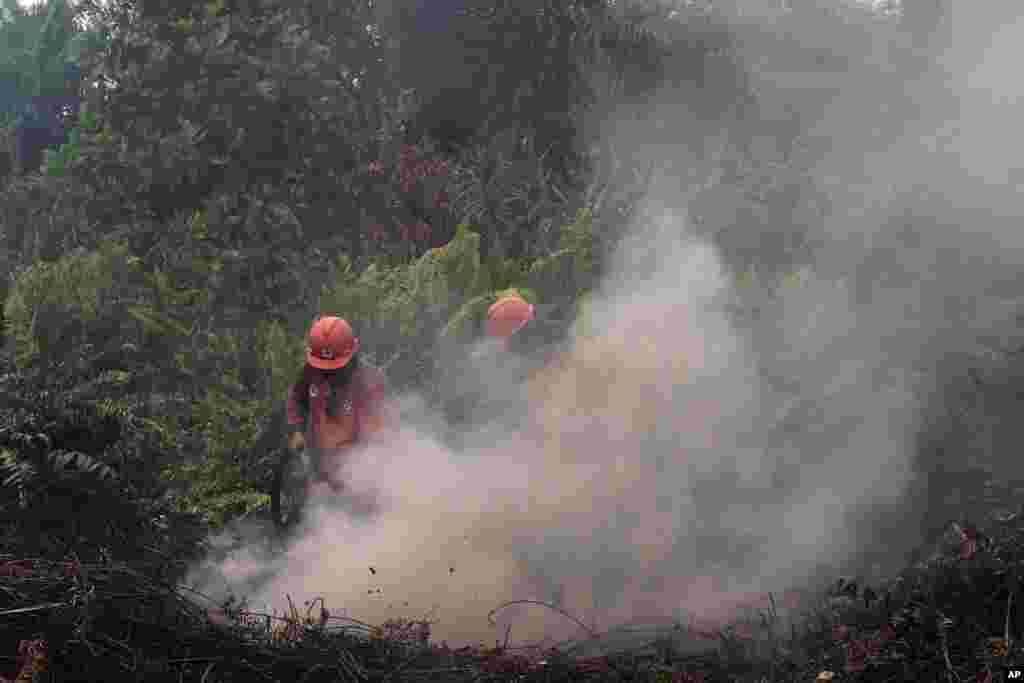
(336, 401)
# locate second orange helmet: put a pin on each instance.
(508, 315)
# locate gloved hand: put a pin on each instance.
(297, 441)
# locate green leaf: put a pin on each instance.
(214, 8)
(584, 323)
(88, 120)
(281, 354)
(110, 408)
(149, 318)
(74, 283)
(199, 225)
(158, 323)
(797, 278)
(184, 362)
(465, 315)
(164, 428)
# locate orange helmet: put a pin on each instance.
(508, 315)
(331, 343)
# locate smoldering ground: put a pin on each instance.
(678, 461)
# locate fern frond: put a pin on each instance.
(76, 282)
(17, 473)
(80, 463)
(473, 310)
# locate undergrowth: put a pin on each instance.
(952, 617)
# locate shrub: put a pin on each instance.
(48, 299)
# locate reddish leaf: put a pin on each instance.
(421, 232)
(441, 200)
(592, 665)
(744, 631)
(840, 633)
(886, 633)
(854, 665)
(707, 629)
(217, 616)
(685, 677)
(16, 569)
(434, 168)
(506, 664)
(32, 648)
(857, 653)
(72, 569)
(407, 152)
(375, 232)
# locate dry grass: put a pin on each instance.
(952, 617)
